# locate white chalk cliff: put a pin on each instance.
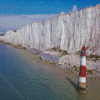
(68, 32)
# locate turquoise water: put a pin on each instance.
(21, 78)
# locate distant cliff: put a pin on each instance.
(68, 32)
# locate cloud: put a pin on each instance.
(74, 8)
(15, 22)
(62, 13)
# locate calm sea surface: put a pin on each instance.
(23, 79)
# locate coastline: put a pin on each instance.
(51, 57)
(65, 74)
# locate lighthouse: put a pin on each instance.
(82, 86)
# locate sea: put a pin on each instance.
(22, 78)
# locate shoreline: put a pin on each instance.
(66, 74)
(72, 69)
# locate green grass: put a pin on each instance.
(90, 71)
(1, 35)
(79, 52)
(94, 57)
(39, 58)
(5, 42)
(54, 49)
(76, 67)
(52, 63)
(60, 50)
(64, 52)
(87, 47)
(18, 47)
(2, 41)
(47, 61)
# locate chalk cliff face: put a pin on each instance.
(68, 32)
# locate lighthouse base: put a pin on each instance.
(81, 89)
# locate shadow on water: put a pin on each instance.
(79, 95)
(74, 85)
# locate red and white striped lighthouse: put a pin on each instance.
(82, 87)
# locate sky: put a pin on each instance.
(42, 6)
(16, 13)
(14, 22)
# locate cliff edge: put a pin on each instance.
(68, 32)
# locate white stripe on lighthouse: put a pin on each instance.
(82, 79)
(83, 60)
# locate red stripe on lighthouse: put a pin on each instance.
(83, 62)
(83, 54)
(82, 71)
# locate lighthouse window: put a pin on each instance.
(83, 51)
